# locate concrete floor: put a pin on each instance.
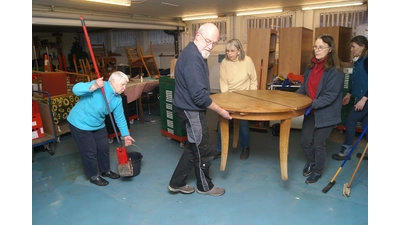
(255, 192)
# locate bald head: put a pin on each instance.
(206, 38)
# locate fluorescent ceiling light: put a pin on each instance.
(254, 12)
(114, 2)
(331, 5)
(200, 17)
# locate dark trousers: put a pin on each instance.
(94, 149)
(313, 142)
(198, 152)
(351, 123)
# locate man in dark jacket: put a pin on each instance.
(191, 101)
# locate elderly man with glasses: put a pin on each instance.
(191, 101)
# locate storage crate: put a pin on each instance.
(37, 124)
(170, 126)
(167, 87)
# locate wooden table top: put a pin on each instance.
(261, 101)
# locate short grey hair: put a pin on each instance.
(117, 75)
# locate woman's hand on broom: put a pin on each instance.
(128, 140)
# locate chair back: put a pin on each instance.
(99, 50)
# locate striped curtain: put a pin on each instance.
(221, 24)
(274, 23)
(344, 19)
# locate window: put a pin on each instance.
(274, 23)
(159, 37)
(221, 24)
(124, 38)
(344, 19)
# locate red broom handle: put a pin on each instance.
(90, 49)
(260, 74)
(98, 75)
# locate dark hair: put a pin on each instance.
(333, 58)
(361, 41)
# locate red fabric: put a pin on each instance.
(294, 77)
(315, 77)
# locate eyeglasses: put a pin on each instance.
(319, 47)
(208, 41)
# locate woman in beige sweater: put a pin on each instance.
(237, 72)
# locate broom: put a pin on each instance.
(125, 167)
(332, 182)
(346, 186)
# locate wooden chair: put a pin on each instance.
(134, 60)
(99, 50)
(87, 68)
(149, 62)
(105, 64)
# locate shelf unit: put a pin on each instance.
(295, 49)
(341, 36)
(53, 44)
(261, 45)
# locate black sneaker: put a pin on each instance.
(110, 174)
(99, 181)
(245, 153)
(314, 177)
(339, 156)
(308, 168)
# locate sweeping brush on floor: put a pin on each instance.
(346, 186)
(125, 168)
(332, 182)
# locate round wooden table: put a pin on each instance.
(260, 105)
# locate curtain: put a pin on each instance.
(344, 19)
(159, 37)
(274, 23)
(97, 38)
(221, 24)
(124, 38)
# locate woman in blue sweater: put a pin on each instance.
(87, 123)
(359, 91)
(323, 82)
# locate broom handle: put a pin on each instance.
(98, 75)
(260, 74)
(358, 165)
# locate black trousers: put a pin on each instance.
(313, 142)
(198, 152)
(94, 149)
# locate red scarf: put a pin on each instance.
(315, 77)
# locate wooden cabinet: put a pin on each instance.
(342, 37)
(261, 46)
(295, 49)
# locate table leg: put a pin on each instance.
(236, 125)
(141, 116)
(283, 146)
(224, 126)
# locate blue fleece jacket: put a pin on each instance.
(192, 84)
(90, 111)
